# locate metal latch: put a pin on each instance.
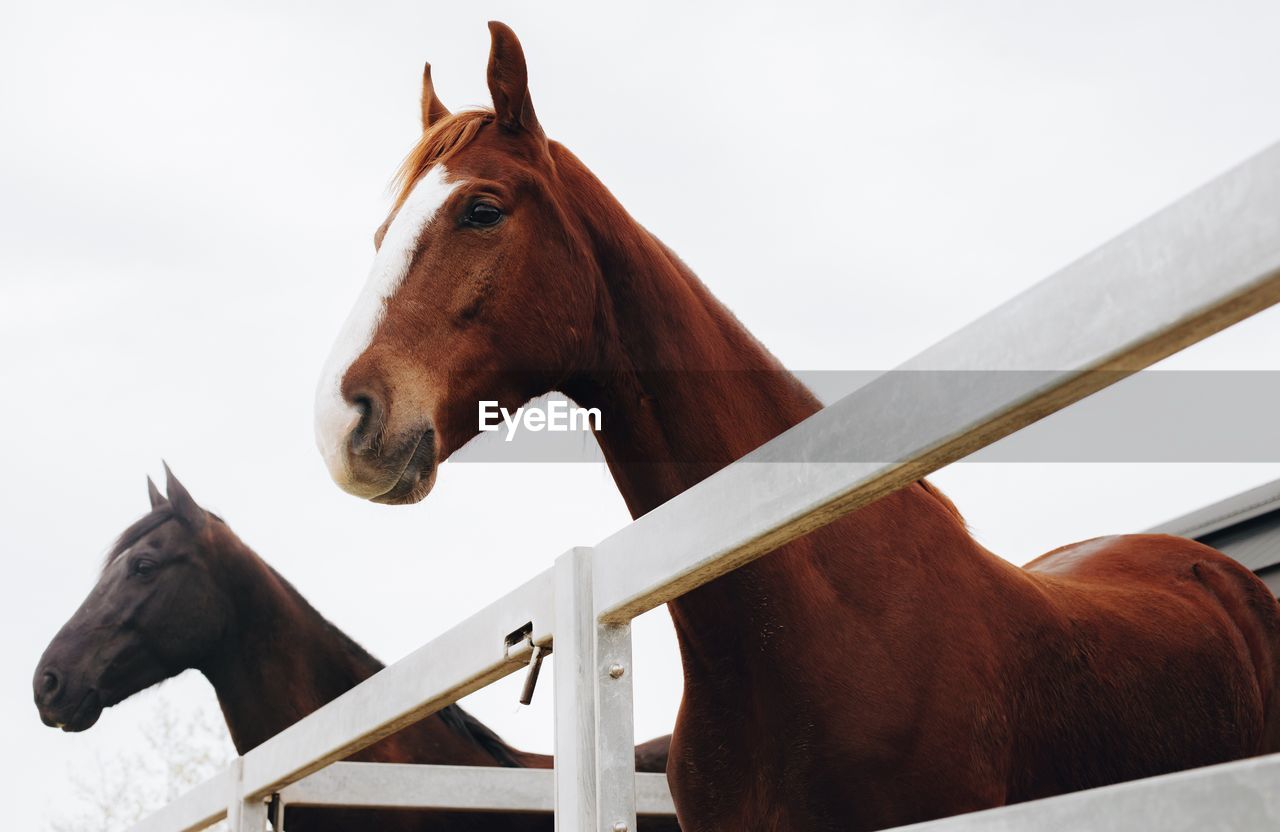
(519, 643)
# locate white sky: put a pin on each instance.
(188, 194)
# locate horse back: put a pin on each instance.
(1174, 638)
(1156, 564)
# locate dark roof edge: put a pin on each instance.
(1229, 512)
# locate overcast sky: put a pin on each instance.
(188, 195)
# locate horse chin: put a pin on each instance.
(411, 488)
(84, 717)
(418, 476)
(83, 724)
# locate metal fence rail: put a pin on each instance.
(1233, 796)
(400, 786)
(202, 806)
(464, 788)
(1204, 263)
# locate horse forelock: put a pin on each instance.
(440, 142)
(140, 528)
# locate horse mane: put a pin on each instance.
(439, 142)
(932, 491)
(453, 716)
(468, 726)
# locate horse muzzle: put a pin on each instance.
(65, 706)
(391, 469)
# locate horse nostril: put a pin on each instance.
(50, 686)
(364, 437)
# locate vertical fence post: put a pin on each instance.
(252, 817)
(244, 815)
(574, 657)
(615, 730)
(595, 734)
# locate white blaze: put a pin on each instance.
(335, 417)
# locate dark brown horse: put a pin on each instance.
(180, 590)
(881, 670)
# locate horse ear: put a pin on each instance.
(157, 499)
(432, 110)
(183, 505)
(509, 81)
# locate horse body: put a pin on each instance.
(181, 590)
(881, 670)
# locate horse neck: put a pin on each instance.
(279, 659)
(282, 660)
(683, 388)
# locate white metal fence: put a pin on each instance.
(1204, 263)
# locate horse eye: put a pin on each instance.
(483, 214)
(143, 568)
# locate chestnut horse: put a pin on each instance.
(885, 668)
(180, 590)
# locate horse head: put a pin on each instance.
(484, 287)
(158, 608)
